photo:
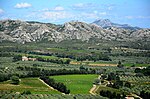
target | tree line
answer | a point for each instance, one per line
(137, 54)
(112, 95)
(37, 72)
(78, 57)
(40, 58)
(56, 85)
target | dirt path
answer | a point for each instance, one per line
(102, 64)
(92, 90)
(90, 64)
(47, 84)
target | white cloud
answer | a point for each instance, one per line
(137, 17)
(103, 13)
(95, 12)
(58, 8)
(89, 15)
(110, 8)
(129, 17)
(79, 5)
(143, 17)
(22, 5)
(1, 11)
(55, 15)
(85, 6)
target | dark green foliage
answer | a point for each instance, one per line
(4, 77)
(58, 61)
(112, 95)
(104, 76)
(145, 71)
(17, 58)
(145, 95)
(67, 61)
(27, 92)
(5, 54)
(127, 84)
(120, 65)
(15, 80)
(117, 84)
(113, 76)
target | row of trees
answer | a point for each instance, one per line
(94, 57)
(112, 95)
(14, 79)
(58, 61)
(137, 54)
(117, 83)
(59, 86)
(78, 57)
(36, 72)
(6, 54)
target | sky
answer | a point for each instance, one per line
(132, 12)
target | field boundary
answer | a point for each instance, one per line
(46, 84)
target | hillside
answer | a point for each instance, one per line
(24, 31)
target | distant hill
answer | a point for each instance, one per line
(107, 23)
(24, 31)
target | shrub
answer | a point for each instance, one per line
(15, 80)
(27, 92)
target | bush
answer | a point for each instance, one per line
(96, 81)
(15, 80)
(27, 92)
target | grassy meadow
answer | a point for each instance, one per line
(78, 84)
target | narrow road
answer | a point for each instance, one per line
(46, 84)
(94, 88)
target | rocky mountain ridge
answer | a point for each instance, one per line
(24, 31)
(107, 23)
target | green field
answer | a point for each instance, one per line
(66, 50)
(78, 84)
(32, 84)
(137, 65)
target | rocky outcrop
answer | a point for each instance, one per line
(22, 32)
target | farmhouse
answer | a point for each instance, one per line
(24, 58)
(32, 59)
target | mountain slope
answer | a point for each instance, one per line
(22, 32)
(107, 23)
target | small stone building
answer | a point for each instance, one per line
(24, 58)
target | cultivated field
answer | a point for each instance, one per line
(28, 84)
(78, 84)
